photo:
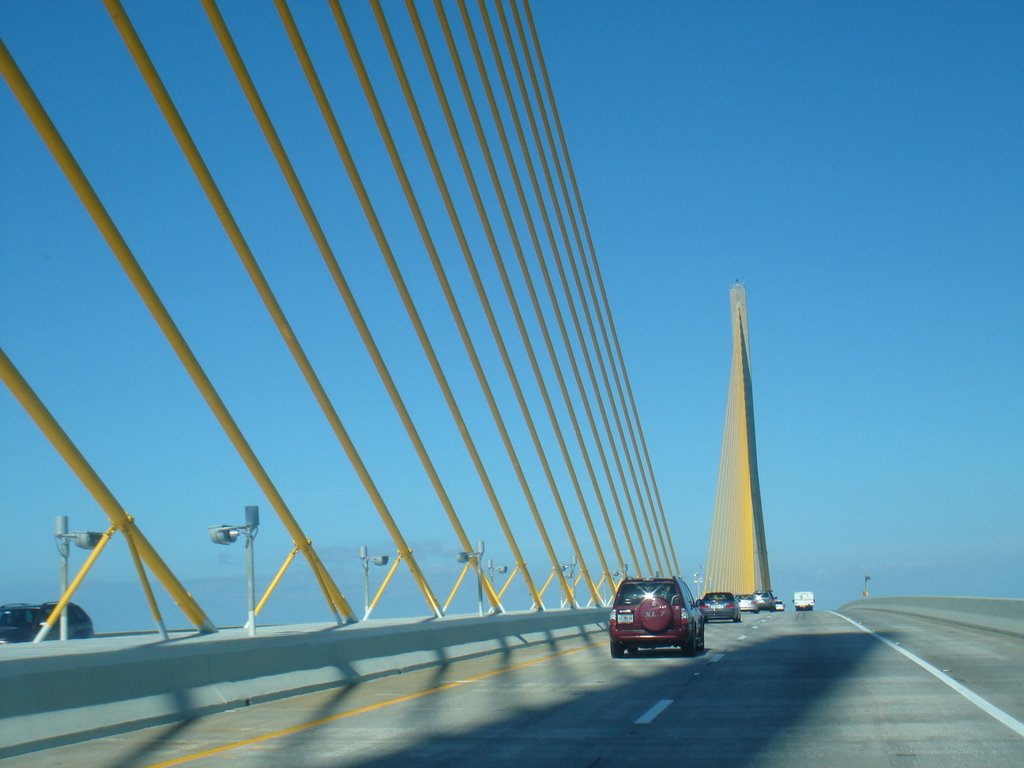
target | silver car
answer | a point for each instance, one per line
(747, 603)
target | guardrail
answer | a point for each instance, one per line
(995, 614)
(60, 693)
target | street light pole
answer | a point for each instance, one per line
(63, 539)
(479, 578)
(63, 547)
(252, 522)
(228, 534)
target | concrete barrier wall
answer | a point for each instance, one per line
(1004, 615)
(53, 694)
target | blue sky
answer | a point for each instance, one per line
(858, 166)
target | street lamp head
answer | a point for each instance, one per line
(86, 539)
(252, 518)
(223, 534)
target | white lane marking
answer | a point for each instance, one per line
(653, 712)
(990, 709)
(742, 637)
(717, 658)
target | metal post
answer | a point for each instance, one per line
(63, 547)
(252, 522)
(479, 578)
(365, 559)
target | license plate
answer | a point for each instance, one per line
(625, 617)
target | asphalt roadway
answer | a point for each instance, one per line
(782, 689)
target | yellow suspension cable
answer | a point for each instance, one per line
(238, 66)
(205, 178)
(482, 141)
(456, 59)
(569, 254)
(513, 302)
(439, 271)
(536, 187)
(38, 412)
(385, 248)
(579, 244)
(597, 271)
(341, 282)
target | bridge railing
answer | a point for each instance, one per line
(991, 613)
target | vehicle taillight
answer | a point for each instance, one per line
(730, 605)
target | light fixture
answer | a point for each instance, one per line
(493, 569)
(82, 540)
(569, 569)
(228, 534)
(474, 557)
(366, 559)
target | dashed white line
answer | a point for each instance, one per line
(742, 637)
(653, 712)
(990, 709)
(717, 658)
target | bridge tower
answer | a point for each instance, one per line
(737, 555)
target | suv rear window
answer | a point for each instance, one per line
(637, 592)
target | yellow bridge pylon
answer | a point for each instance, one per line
(737, 554)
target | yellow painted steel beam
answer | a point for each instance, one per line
(470, 260)
(277, 578)
(58, 609)
(386, 251)
(455, 587)
(383, 585)
(129, 537)
(508, 581)
(87, 476)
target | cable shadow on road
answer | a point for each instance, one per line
(760, 687)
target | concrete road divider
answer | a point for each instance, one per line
(59, 693)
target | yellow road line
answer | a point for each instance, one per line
(361, 710)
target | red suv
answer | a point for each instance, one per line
(653, 613)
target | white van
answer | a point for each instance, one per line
(803, 601)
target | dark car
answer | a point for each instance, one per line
(655, 613)
(20, 622)
(720, 605)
